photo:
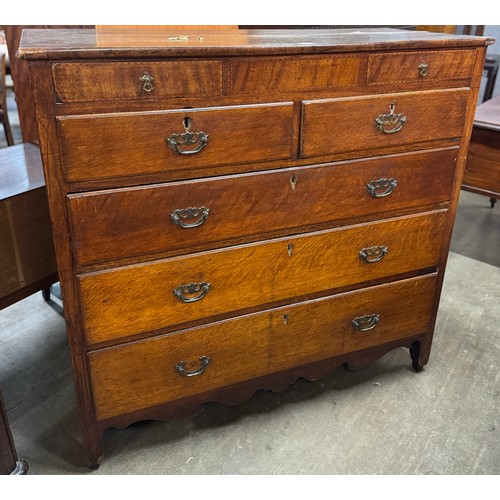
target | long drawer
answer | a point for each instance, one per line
(124, 144)
(150, 372)
(121, 223)
(133, 299)
(333, 126)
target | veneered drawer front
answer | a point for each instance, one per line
(134, 299)
(178, 216)
(422, 66)
(334, 126)
(125, 144)
(142, 374)
(79, 82)
(297, 74)
(483, 161)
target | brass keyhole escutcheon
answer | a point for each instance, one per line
(147, 82)
(293, 182)
(290, 249)
(423, 69)
(285, 319)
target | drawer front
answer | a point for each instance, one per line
(140, 298)
(483, 161)
(142, 374)
(125, 144)
(77, 82)
(334, 126)
(420, 67)
(179, 216)
(303, 74)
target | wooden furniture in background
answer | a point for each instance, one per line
(26, 246)
(482, 172)
(10, 462)
(233, 211)
(4, 115)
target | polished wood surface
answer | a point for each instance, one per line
(75, 82)
(21, 170)
(116, 145)
(482, 173)
(103, 159)
(84, 44)
(27, 256)
(255, 345)
(250, 76)
(121, 223)
(405, 67)
(253, 275)
(431, 115)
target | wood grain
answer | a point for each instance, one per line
(134, 299)
(142, 374)
(75, 82)
(116, 145)
(346, 124)
(121, 223)
(403, 67)
(306, 74)
(83, 44)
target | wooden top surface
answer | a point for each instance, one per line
(20, 170)
(488, 114)
(87, 43)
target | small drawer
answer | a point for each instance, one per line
(293, 74)
(150, 372)
(334, 126)
(126, 144)
(129, 300)
(80, 82)
(421, 67)
(121, 223)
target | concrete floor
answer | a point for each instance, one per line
(384, 419)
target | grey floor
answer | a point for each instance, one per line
(384, 419)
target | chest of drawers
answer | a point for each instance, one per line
(234, 211)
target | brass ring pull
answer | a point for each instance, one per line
(180, 215)
(380, 188)
(365, 323)
(373, 254)
(423, 69)
(178, 142)
(185, 293)
(147, 82)
(180, 367)
(391, 122)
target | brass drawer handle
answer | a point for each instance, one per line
(380, 188)
(365, 323)
(423, 69)
(147, 82)
(373, 254)
(177, 142)
(391, 122)
(180, 215)
(180, 367)
(184, 292)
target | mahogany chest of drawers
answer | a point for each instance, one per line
(233, 211)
